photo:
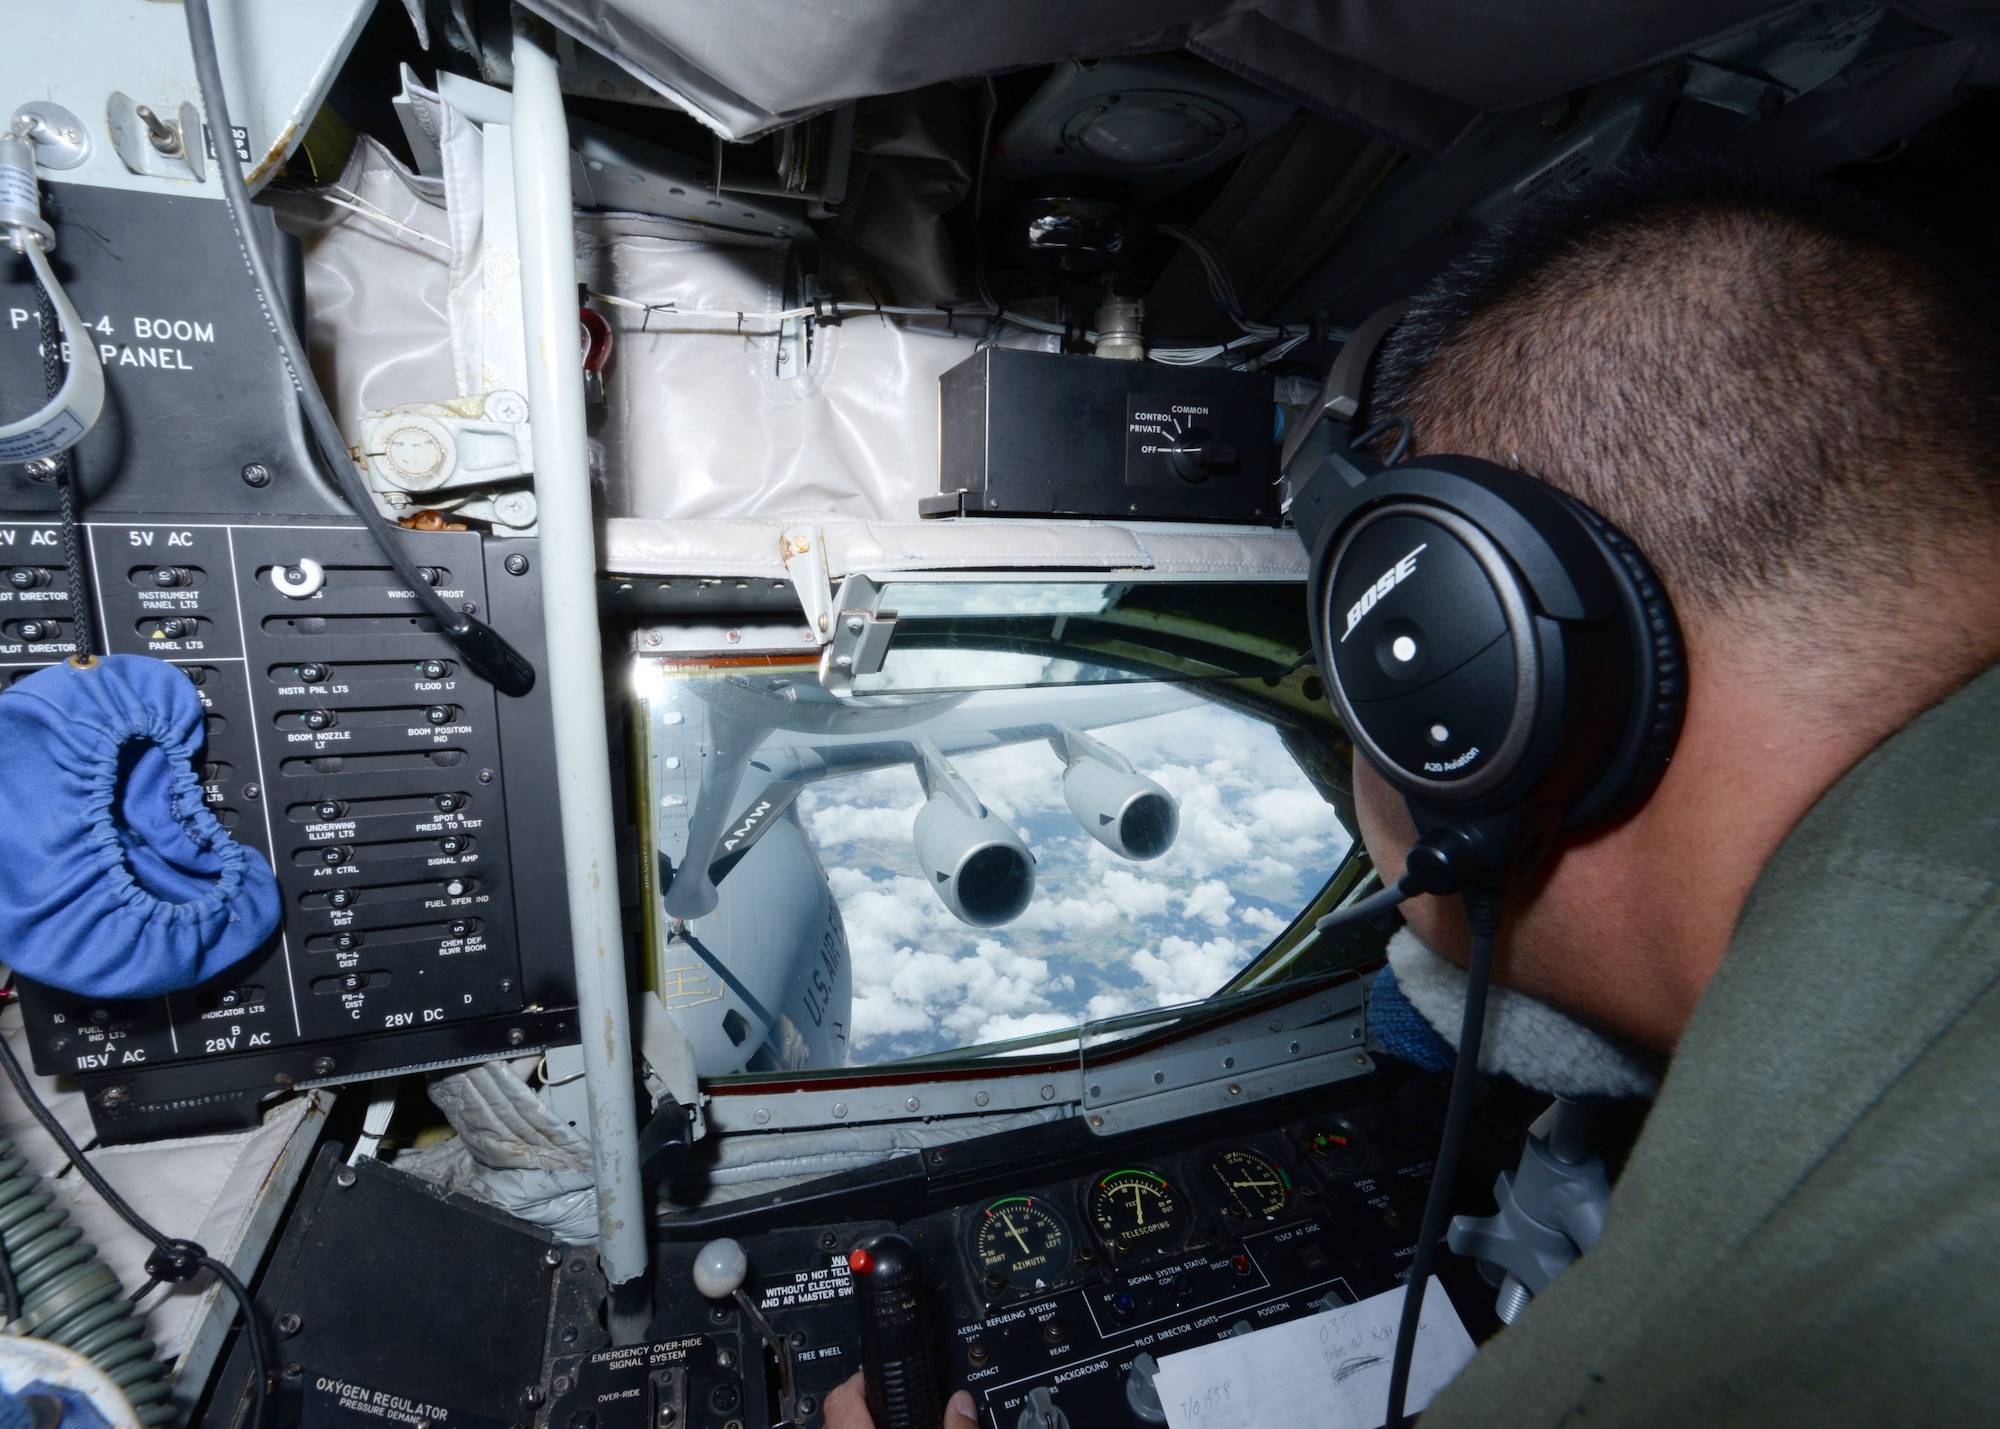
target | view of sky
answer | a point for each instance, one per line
(1103, 935)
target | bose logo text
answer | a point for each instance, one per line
(1387, 582)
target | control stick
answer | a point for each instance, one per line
(898, 1372)
(720, 1268)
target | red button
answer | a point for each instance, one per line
(1242, 1264)
(860, 1261)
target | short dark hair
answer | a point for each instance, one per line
(1777, 389)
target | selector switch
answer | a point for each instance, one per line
(329, 808)
(299, 579)
(436, 669)
(28, 577)
(335, 854)
(312, 673)
(172, 577)
(341, 898)
(317, 719)
(1040, 1412)
(439, 714)
(449, 803)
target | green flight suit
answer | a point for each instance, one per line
(1808, 1231)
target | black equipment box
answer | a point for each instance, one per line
(1041, 434)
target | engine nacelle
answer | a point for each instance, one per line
(1123, 810)
(977, 865)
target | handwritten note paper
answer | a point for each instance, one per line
(1330, 1369)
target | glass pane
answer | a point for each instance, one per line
(842, 882)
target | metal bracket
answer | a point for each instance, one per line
(804, 551)
(60, 140)
(860, 636)
(453, 455)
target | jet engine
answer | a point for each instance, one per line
(976, 863)
(1118, 806)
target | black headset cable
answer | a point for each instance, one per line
(1482, 910)
(485, 650)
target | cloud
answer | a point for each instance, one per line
(1184, 971)
(834, 824)
(1263, 920)
(1210, 901)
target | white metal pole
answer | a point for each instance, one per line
(575, 670)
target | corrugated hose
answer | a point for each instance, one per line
(69, 1296)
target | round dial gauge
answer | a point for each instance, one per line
(1136, 1212)
(1244, 1185)
(1337, 1144)
(1020, 1243)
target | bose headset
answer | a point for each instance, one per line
(1506, 660)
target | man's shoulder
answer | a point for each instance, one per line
(1807, 1205)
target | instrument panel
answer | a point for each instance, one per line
(1055, 1292)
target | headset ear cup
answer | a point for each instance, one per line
(1663, 681)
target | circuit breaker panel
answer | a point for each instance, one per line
(405, 806)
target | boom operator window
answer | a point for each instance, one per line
(1055, 802)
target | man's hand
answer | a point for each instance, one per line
(847, 1408)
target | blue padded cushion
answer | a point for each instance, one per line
(116, 881)
(1402, 1030)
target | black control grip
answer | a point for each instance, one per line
(896, 1363)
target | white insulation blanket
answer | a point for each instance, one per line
(706, 450)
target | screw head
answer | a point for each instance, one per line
(323, 1067)
(43, 468)
(471, 607)
(294, 1370)
(59, 1044)
(486, 776)
(552, 1257)
(289, 1325)
(344, 1177)
(517, 564)
(114, 1096)
(515, 1037)
(256, 474)
(251, 791)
